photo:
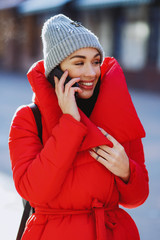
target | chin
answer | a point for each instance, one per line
(85, 95)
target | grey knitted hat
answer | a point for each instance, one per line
(61, 37)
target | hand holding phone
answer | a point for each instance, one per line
(66, 96)
(58, 73)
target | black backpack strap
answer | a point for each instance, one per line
(37, 116)
(27, 207)
(25, 216)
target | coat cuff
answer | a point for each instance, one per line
(77, 124)
(135, 192)
(121, 184)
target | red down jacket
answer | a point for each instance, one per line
(74, 196)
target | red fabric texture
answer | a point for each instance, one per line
(75, 197)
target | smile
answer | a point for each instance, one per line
(86, 83)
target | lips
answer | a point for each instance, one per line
(86, 85)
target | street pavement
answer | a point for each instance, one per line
(14, 91)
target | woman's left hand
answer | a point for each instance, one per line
(113, 158)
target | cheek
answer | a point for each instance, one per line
(63, 67)
(74, 73)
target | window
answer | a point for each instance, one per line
(134, 45)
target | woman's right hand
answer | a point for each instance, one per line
(66, 95)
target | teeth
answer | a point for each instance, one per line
(87, 83)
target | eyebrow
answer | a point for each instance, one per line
(83, 57)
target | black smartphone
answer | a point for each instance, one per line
(58, 73)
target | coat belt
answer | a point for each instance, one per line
(98, 210)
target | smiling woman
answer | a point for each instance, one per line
(91, 159)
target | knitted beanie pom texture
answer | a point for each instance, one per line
(61, 37)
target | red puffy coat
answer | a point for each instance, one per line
(74, 196)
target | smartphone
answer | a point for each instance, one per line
(58, 73)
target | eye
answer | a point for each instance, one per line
(97, 62)
(79, 63)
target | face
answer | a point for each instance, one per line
(85, 64)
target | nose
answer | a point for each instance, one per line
(90, 71)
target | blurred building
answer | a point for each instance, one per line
(129, 30)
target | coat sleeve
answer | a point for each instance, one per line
(40, 171)
(135, 192)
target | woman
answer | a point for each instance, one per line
(91, 159)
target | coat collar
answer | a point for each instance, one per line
(113, 111)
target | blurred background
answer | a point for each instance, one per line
(128, 30)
